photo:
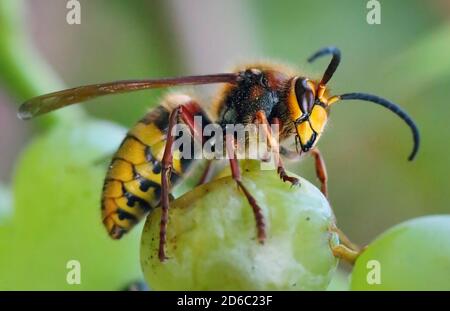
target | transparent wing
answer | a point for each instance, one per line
(52, 101)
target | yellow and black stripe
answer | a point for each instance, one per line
(132, 186)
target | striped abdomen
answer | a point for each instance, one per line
(132, 186)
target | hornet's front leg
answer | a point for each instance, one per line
(347, 250)
(321, 171)
(273, 142)
(186, 114)
(345, 253)
(166, 170)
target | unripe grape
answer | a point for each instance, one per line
(212, 244)
(414, 255)
(57, 216)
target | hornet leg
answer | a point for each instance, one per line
(166, 169)
(343, 252)
(347, 250)
(261, 118)
(321, 171)
(206, 175)
(236, 174)
(186, 114)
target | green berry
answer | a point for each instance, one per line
(414, 255)
(212, 244)
(57, 190)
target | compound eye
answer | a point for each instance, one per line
(304, 94)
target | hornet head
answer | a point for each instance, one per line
(308, 103)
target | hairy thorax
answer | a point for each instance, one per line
(261, 88)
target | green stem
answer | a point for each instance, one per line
(22, 71)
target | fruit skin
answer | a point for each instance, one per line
(57, 188)
(414, 255)
(212, 246)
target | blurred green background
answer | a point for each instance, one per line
(405, 59)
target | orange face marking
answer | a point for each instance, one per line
(318, 118)
(305, 132)
(292, 102)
